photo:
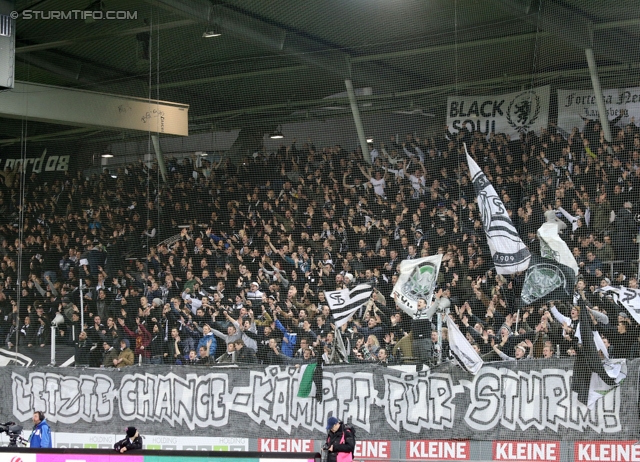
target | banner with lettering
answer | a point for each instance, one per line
(576, 105)
(46, 163)
(512, 113)
(504, 401)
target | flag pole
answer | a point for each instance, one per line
(517, 320)
(439, 317)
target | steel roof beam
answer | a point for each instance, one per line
(574, 28)
(46, 103)
(91, 38)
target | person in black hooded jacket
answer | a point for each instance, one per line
(339, 439)
(131, 442)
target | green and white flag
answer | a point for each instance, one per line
(417, 279)
(311, 381)
(545, 280)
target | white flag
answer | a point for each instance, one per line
(628, 298)
(417, 279)
(461, 349)
(552, 246)
(616, 369)
(508, 252)
(345, 302)
(592, 377)
(8, 357)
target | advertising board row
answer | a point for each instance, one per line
(366, 450)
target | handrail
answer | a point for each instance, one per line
(615, 262)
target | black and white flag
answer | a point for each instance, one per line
(552, 246)
(592, 377)
(461, 349)
(8, 357)
(508, 252)
(345, 302)
(625, 297)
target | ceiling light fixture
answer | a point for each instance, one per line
(107, 155)
(277, 135)
(211, 32)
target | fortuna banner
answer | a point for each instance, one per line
(576, 105)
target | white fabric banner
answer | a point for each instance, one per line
(511, 113)
(574, 105)
(616, 369)
(461, 349)
(417, 279)
(508, 252)
(552, 246)
(628, 298)
(11, 357)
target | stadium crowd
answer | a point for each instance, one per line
(228, 263)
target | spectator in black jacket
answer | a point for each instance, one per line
(83, 350)
(625, 231)
(158, 347)
(42, 336)
(339, 440)
(131, 442)
(27, 332)
(244, 354)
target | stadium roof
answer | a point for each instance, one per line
(276, 61)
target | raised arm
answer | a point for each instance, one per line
(366, 173)
(502, 355)
(38, 287)
(344, 181)
(219, 334)
(559, 316)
